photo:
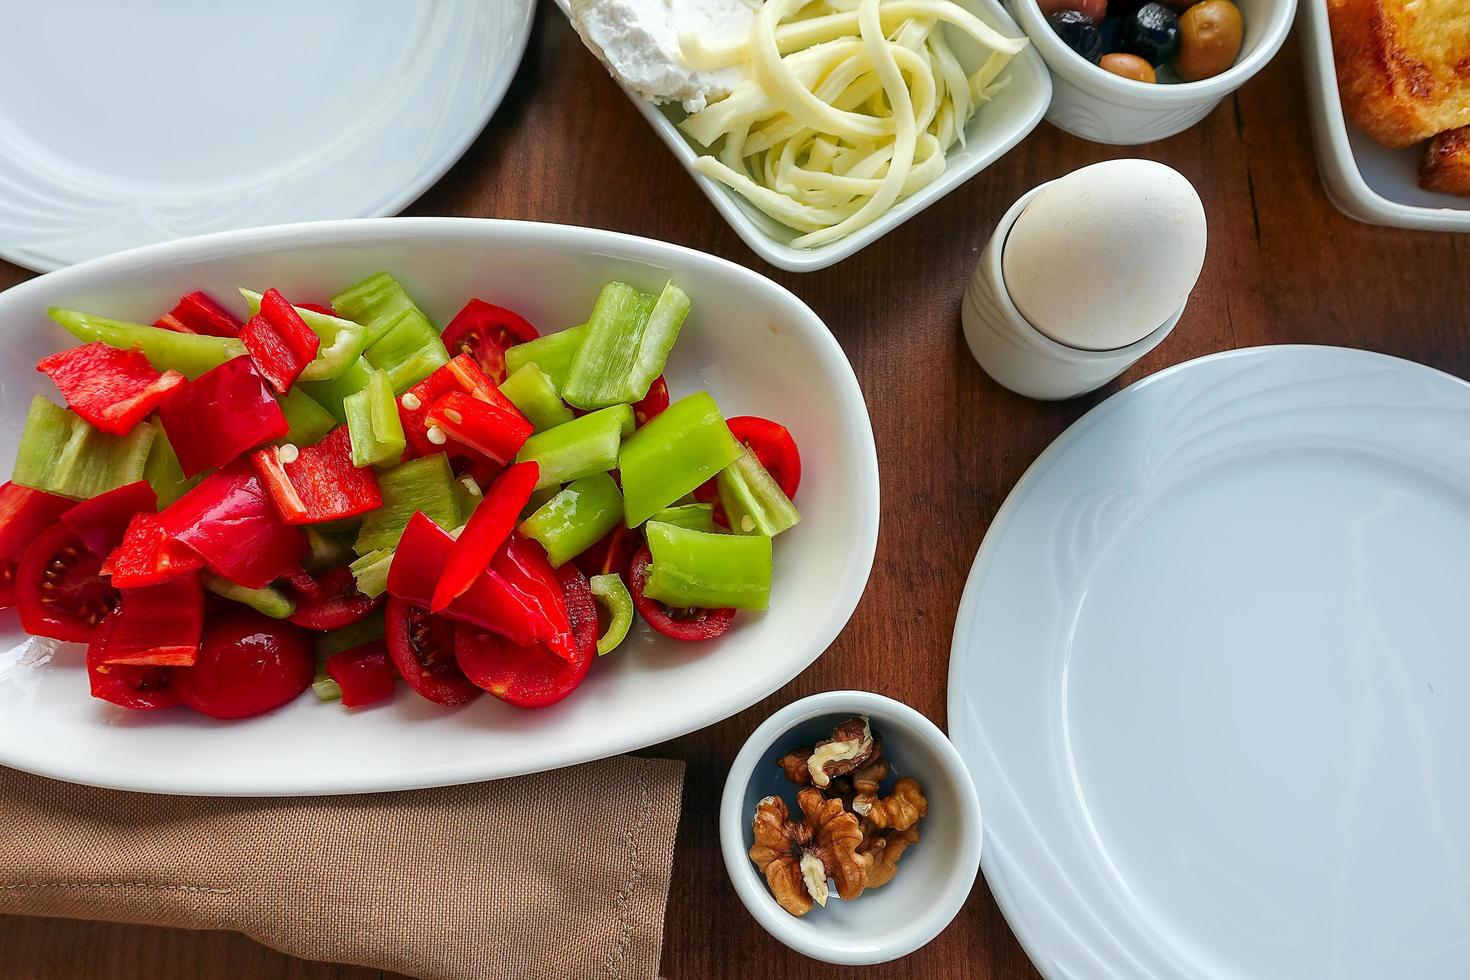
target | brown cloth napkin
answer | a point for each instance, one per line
(561, 874)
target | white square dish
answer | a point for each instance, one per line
(998, 127)
(1366, 181)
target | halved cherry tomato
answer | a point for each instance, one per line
(422, 647)
(533, 676)
(335, 604)
(140, 688)
(652, 403)
(59, 588)
(689, 625)
(484, 330)
(24, 514)
(773, 446)
(248, 664)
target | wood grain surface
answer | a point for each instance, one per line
(1283, 267)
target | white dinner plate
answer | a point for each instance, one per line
(1212, 678)
(757, 348)
(124, 124)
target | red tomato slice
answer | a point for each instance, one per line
(24, 514)
(59, 588)
(773, 446)
(533, 676)
(690, 625)
(484, 331)
(652, 403)
(422, 647)
(140, 688)
(248, 664)
(335, 603)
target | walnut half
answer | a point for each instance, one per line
(798, 856)
(850, 746)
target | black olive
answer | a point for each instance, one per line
(1152, 33)
(1078, 32)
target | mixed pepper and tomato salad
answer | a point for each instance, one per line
(338, 495)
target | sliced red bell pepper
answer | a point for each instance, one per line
(24, 514)
(491, 602)
(229, 521)
(365, 674)
(219, 415)
(102, 521)
(491, 430)
(489, 526)
(523, 566)
(197, 313)
(157, 626)
(111, 388)
(148, 556)
(319, 483)
(279, 341)
(653, 403)
(461, 374)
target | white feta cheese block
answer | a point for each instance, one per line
(639, 42)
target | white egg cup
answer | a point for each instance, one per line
(1019, 356)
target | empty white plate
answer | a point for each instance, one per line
(1211, 676)
(124, 124)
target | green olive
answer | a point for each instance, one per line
(1209, 39)
(1128, 66)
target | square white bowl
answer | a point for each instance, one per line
(1366, 181)
(996, 128)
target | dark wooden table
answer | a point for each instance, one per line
(1283, 267)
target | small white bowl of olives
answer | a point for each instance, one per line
(1135, 71)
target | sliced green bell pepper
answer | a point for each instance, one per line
(332, 393)
(379, 303)
(708, 571)
(163, 472)
(189, 354)
(531, 390)
(676, 451)
(576, 518)
(371, 572)
(612, 595)
(268, 601)
(342, 341)
(425, 484)
(467, 494)
(61, 453)
(754, 502)
(629, 336)
(553, 354)
(696, 517)
(580, 447)
(400, 338)
(373, 424)
(307, 422)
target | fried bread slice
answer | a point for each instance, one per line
(1403, 66)
(1446, 166)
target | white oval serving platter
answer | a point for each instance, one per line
(754, 345)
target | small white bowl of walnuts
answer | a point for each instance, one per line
(850, 828)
